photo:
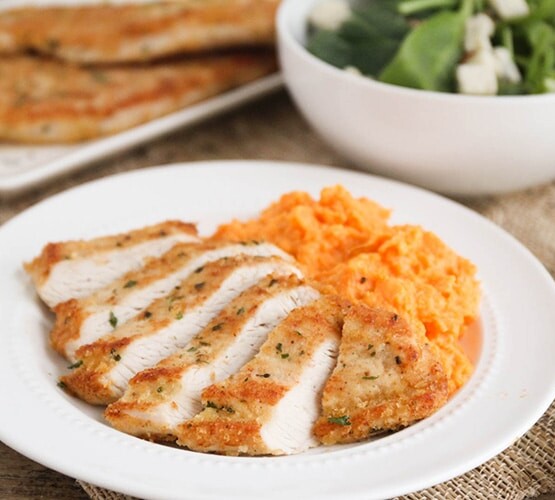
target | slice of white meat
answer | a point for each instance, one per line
(160, 398)
(289, 429)
(271, 404)
(82, 322)
(75, 269)
(106, 366)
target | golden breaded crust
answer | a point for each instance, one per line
(386, 378)
(141, 32)
(85, 379)
(40, 267)
(44, 101)
(147, 389)
(69, 318)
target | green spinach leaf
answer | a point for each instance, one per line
(429, 54)
(540, 65)
(368, 40)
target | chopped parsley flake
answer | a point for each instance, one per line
(192, 349)
(240, 311)
(200, 286)
(279, 347)
(113, 320)
(62, 385)
(130, 284)
(217, 327)
(272, 282)
(115, 355)
(179, 315)
(298, 333)
(263, 375)
(199, 270)
(204, 343)
(211, 404)
(370, 346)
(374, 377)
(343, 420)
(147, 314)
(75, 365)
(160, 389)
(284, 356)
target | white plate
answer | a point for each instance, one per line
(25, 166)
(513, 384)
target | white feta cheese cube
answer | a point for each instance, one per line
(330, 14)
(505, 67)
(510, 9)
(549, 84)
(476, 79)
(478, 31)
(484, 57)
(352, 70)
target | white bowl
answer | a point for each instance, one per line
(465, 145)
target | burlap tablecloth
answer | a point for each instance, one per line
(272, 129)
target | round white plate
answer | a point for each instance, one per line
(512, 386)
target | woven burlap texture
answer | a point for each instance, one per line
(272, 129)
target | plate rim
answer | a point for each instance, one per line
(538, 267)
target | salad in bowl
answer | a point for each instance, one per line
(476, 47)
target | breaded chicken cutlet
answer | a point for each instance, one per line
(108, 364)
(74, 269)
(223, 347)
(46, 101)
(157, 400)
(137, 32)
(82, 321)
(386, 378)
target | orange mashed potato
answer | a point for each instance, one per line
(347, 246)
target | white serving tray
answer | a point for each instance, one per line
(23, 166)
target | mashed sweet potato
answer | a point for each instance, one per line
(347, 246)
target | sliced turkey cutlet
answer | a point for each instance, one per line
(124, 33)
(75, 269)
(105, 367)
(386, 378)
(160, 398)
(83, 321)
(271, 404)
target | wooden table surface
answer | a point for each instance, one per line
(268, 129)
